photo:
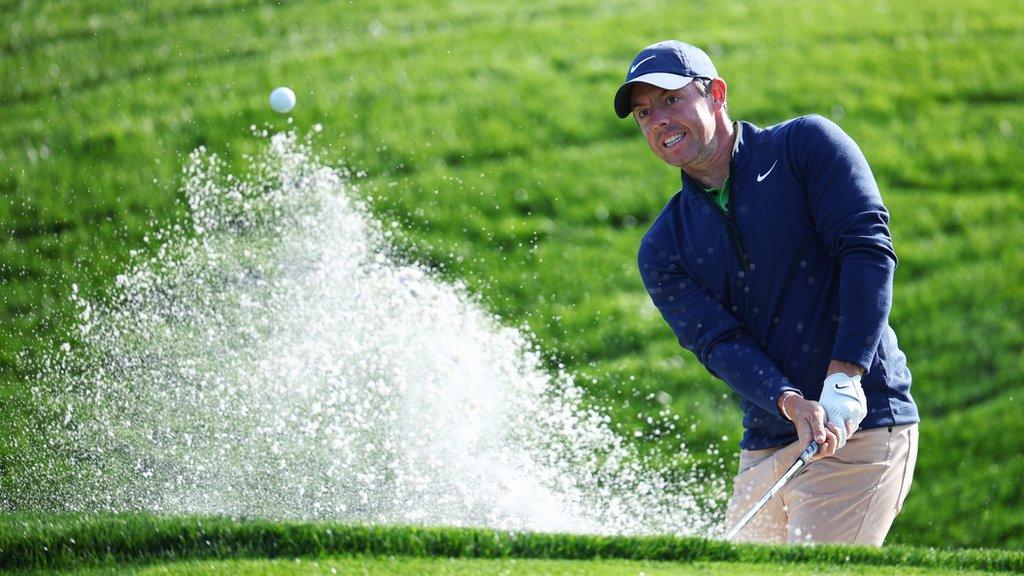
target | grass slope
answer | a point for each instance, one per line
(487, 131)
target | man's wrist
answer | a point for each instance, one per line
(848, 368)
(783, 398)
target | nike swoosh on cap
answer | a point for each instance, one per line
(637, 65)
(765, 175)
(844, 384)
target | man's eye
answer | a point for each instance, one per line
(642, 113)
(672, 99)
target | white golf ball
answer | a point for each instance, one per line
(282, 99)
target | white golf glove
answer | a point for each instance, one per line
(843, 399)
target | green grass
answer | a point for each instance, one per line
(486, 130)
(73, 542)
(397, 566)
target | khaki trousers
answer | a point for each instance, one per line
(849, 498)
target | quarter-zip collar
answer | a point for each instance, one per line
(748, 137)
(740, 152)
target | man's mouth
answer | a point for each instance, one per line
(670, 142)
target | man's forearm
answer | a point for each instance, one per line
(865, 296)
(748, 370)
(714, 335)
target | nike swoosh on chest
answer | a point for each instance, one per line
(761, 177)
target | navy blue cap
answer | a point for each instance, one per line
(669, 65)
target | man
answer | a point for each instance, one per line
(773, 264)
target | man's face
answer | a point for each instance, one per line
(679, 125)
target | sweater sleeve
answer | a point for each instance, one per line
(702, 326)
(854, 225)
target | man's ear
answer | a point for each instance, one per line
(719, 90)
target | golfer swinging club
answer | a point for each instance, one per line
(773, 264)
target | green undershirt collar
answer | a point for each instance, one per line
(720, 196)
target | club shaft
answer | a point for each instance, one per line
(794, 469)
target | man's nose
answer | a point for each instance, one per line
(659, 117)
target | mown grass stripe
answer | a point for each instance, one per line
(62, 541)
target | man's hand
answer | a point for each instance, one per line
(844, 403)
(811, 423)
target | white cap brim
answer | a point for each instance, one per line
(662, 80)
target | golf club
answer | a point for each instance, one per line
(798, 465)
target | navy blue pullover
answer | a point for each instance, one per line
(796, 273)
